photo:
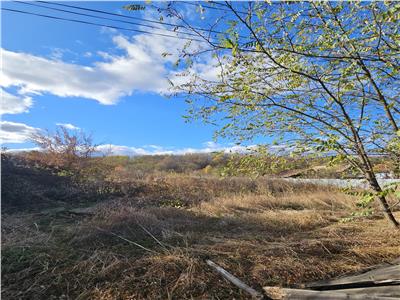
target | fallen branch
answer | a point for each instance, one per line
(236, 281)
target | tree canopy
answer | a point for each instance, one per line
(318, 76)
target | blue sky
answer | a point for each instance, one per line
(107, 82)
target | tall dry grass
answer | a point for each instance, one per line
(152, 243)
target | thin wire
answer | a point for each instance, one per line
(97, 24)
(104, 18)
(129, 17)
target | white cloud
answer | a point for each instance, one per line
(36, 74)
(68, 126)
(16, 150)
(15, 133)
(11, 104)
(110, 149)
(60, 53)
(208, 147)
(140, 68)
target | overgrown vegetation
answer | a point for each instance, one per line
(125, 235)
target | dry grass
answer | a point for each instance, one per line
(264, 232)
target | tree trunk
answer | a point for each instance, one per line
(373, 182)
(388, 212)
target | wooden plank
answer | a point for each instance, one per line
(353, 285)
(381, 291)
(299, 294)
(391, 272)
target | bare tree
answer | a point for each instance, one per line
(69, 149)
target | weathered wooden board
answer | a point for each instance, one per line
(381, 282)
(381, 291)
(299, 294)
(391, 272)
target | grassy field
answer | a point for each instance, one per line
(152, 240)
